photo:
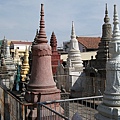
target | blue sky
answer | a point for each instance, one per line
(19, 19)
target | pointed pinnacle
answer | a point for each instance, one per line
(53, 41)
(115, 19)
(106, 19)
(42, 35)
(73, 31)
(116, 31)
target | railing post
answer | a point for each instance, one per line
(23, 112)
(39, 111)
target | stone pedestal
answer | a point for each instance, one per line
(108, 113)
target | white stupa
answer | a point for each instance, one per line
(74, 62)
(74, 57)
(109, 109)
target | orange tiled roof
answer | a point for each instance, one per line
(21, 42)
(89, 42)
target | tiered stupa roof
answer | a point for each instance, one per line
(103, 49)
(110, 107)
(41, 87)
(55, 58)
(74, 56)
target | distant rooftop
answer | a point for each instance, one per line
(21, 42)
(89, 42)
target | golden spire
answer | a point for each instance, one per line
(16, 57)
(25, 65)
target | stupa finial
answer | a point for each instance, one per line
(42, 35)
(73, 31)
(116, 31)
(106, 19)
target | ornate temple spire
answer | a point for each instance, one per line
(74, 62)
(116, 31)
(106, 32)
(55, 58)
(41, 87)
(112, 91)
(116, 35)
(42, 35)
(113, 64)
(53, 42)
(25, 65)
(26, 56)
(74, 52)
(103, 49)
(16, 57)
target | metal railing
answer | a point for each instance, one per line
(11, 108)
(66, 109)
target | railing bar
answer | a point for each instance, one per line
(54, 111)
(84, 98)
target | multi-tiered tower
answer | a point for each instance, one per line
(10, 69)
(55, 58)
(109, 109)
(41, 86)
(25, 66)
(96, 69)
(103, 49)
(74, 62)
(16, 57)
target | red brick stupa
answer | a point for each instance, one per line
(41, 86)
(55, 55)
